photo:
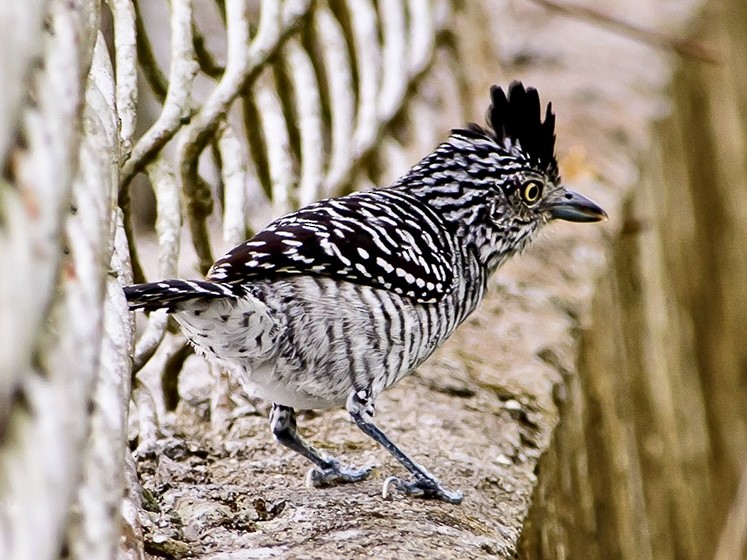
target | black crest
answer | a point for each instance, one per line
(517, 117)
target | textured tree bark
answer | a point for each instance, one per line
(64, 365)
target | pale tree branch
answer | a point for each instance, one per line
(34, 209)
(94, 531)
(277, 144)
(307, 108)
(168, 232)
(393, 64)
(234, 176)
(20, 44)
(68, 169)
(244, 58)
(339, 78)
(178, 105)
(368, 62)
(126, 63)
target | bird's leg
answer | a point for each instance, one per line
(328, 470)
(424, 485)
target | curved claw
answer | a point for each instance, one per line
(421, 488)
(320, 478)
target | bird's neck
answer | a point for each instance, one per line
(459, 195)
(445, 181)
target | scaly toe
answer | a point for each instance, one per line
(421, 488)
(321, 478)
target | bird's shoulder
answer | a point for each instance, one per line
(383, 238)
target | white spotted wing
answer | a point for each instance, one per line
(383, 238)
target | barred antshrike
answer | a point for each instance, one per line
(332, 304)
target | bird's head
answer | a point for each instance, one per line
(498, 185)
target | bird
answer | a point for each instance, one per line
(332, 304)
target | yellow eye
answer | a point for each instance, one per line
(531, 191)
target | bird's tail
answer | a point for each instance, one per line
(167, 293)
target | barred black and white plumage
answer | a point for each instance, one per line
(330, 305)
(166, 294)
(386, 238)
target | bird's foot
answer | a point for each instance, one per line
(421, 487)
(333, 474)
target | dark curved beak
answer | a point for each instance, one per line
(568, 205)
